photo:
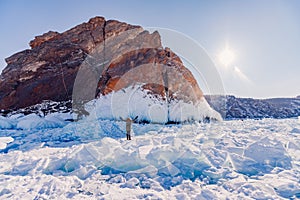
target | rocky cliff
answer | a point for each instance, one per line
(110, 56)
(47, 71)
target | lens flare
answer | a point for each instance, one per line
(226, 57)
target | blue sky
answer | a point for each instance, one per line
(263, 35)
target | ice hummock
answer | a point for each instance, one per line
(34, 121)
(4, 141)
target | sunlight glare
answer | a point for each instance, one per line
(226, 57)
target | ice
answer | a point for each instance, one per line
(60, 116)
(206, 194)
(250, 159)
(58, 120)
(266, 155)
(295, 130)
(33, 121)
(4, 141)
(285, 183)
(131, 183)
(16, 116)
(6, 123)
(181, 112)
(133, 101)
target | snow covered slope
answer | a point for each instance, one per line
(250, 159)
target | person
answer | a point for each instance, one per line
(128, 126)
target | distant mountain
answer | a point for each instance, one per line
(232, 107)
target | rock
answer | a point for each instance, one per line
(160, 69)
(111, 55)
(43, 38)
(47, 71)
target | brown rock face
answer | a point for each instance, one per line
(43, 38)
(158, 70)
(116, 54)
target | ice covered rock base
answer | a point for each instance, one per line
(135, 101)
(251, 159)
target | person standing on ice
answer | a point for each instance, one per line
(128, 126)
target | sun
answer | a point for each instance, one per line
(226, 57)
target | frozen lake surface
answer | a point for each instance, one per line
(250, 159)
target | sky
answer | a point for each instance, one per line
(255, 44)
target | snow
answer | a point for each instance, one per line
(88, 159)
(134, 101)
